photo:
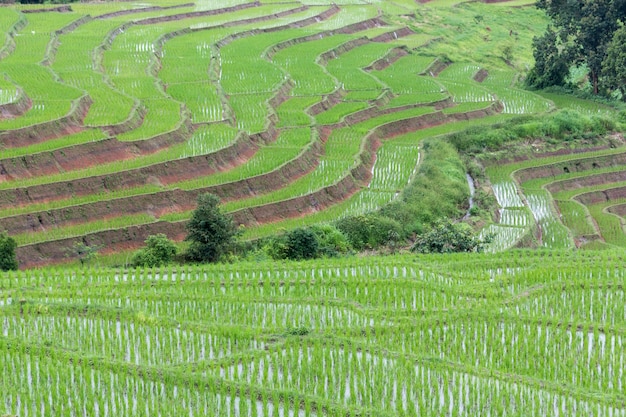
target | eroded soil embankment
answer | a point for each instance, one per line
(576, 165)
(30, 135)
(17, 108)
(590, 180)
(85, 155)
(160, 203)
(594, 197)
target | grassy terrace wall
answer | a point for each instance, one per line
(284, 110)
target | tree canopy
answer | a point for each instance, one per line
(8, 260)
(211, 233)
(583, 31)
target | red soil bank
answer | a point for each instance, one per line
(587, 181)
(595, 197)
(392, 56)
(72, 123)
(577, 165)
(17, 108)
(481, 75)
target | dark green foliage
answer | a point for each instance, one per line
(159, 251)
(211, 233)
(614, 65)
(8, 260)
(584, 30)
(301, 243)
(551, 67)
(331, 241)
(448, 237)
(369, 231)
(297, 331)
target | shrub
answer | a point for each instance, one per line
(159, 251)
(211, 233)
(8, 260)
(448, 237)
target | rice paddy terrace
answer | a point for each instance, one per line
(529, 333)
(115, 116)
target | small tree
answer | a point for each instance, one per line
(159, 251)
(85, 253)
(614, 65)
(211, 233)
(8, 260)
(448, 237)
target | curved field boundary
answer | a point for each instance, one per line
(589, 180)
(9, 46)
(392, 56)
(54, 41)
(580, 164)
(71, 123)
(59, 9)
(142, 10)
(601, 196)
(21, 105)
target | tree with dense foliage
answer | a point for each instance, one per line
(550, 65)
(614, 65)
(211, 234)
(8, 260)
(448, 237)
(585, 29)
(159, 251)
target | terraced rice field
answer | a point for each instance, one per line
(526, 333)
(115, 116)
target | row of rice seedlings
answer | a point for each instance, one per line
(207, 139)
(127, 339)
(515, 101)
(584, 358)
(402, 82)
(43, 385)
(122, 165)
(336, 113)
(300, 62)
(610, 225)
(289, 144)
(57, 233)
(576, 218)
(398, 384)
(348, 67)
(51, 99)
(74, 63)
(244, 68)
(577, 302)
(273, 298)
(8, 92)
(503, 236)
(86, 136)
(251, 111)
(588, 107)
(553, 233)
(293, 113)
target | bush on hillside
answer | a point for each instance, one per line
(159, 251)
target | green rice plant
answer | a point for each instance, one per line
(251, 111)
(74, 62)
(336, 113)
(347, 68)
(292, 112)
(85, 136)
(82, 229)
(300, 63)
